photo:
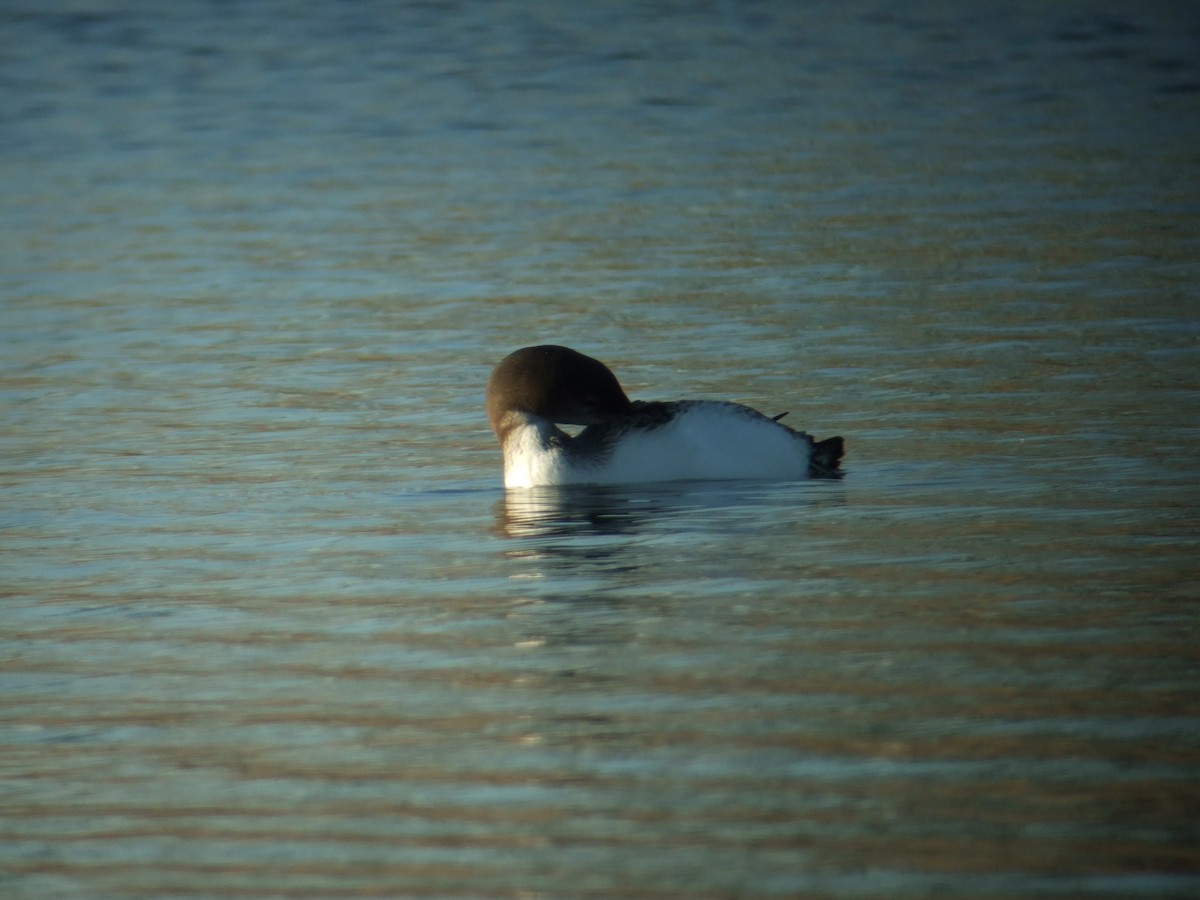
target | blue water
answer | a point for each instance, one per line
(272, 626)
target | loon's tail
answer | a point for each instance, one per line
(824, 459)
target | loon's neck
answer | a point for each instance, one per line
(535, 449)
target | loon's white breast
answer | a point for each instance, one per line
(534, 390)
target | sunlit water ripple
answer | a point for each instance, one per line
(271, 625)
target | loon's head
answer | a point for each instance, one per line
(555, 383)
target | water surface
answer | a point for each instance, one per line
(271, 625)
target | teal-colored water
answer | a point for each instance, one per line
(270, 625)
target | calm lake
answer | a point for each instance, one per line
(270, 625)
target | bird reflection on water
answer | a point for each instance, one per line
(577, 510)
(647, 539)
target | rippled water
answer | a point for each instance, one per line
(272, 627)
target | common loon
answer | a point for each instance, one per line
(534, 390)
